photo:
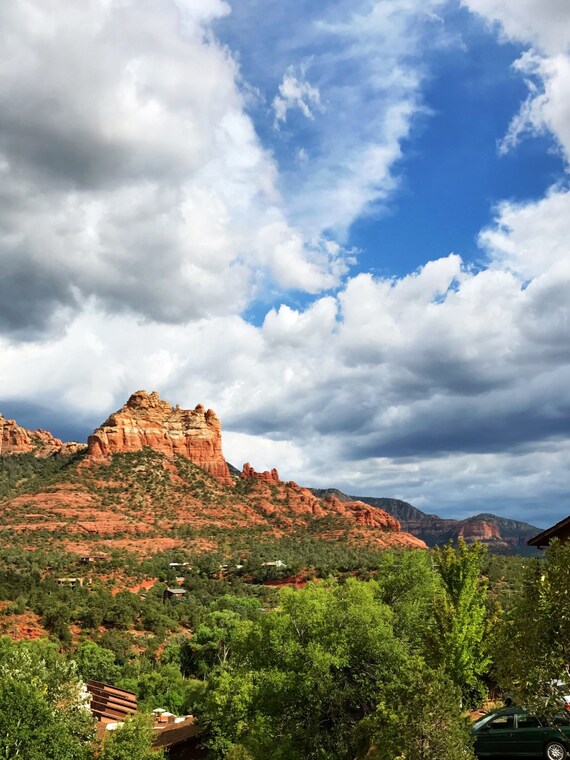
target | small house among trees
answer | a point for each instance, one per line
(174, 594)
(561, 531)
(71, 582)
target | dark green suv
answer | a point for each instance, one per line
(513, 732)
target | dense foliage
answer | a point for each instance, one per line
(377, 656)
(326, 676)
(31, 470)
(332, 670)
(533, 642)
(461, 618)
(43, 709)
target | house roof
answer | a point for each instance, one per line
(175, 733)
(108, 703)
(544, 538)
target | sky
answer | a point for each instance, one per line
(343, 225)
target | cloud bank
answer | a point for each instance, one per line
(143, 214)
(131, 172)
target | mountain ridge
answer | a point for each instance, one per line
(147, 422)
(500, 534)
(153, 476)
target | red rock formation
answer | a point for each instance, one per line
(364, 514)
(295, 504)
(15, 439)
(248, 473)
(105, 510)
(72, 447)
(301, 501)
(145, 420)
(480, 530)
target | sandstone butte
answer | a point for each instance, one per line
(146, 420)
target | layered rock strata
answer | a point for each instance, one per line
(15, 439)
(146, 420)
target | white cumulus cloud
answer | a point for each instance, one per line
(130, 170)
(543, 26)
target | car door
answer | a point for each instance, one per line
(528, 736)
(496, 738)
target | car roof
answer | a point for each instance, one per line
(512, 710)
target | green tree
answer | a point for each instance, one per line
(533, 640)
(97, 663)
(419, 719)
(56, 619)
(461, 617)
(409, 584)
(163, 685)
(212, 642)
(44, 713)
(132, 741)
(302, 678)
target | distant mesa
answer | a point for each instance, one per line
(146, 420)
(499, 534)
(480, 529)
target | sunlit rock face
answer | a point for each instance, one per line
(268, 476)
(15, 439)
(479, 530)
(146, 420)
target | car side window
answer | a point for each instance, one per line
(502, 721)
(527, 721)
(561, 720)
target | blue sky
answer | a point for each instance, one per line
(345, 226)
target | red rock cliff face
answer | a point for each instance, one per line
(365, 514)
(146, 420)
(480, 530)
(15, 439)
(294, 503)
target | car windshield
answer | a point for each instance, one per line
(482, 721)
